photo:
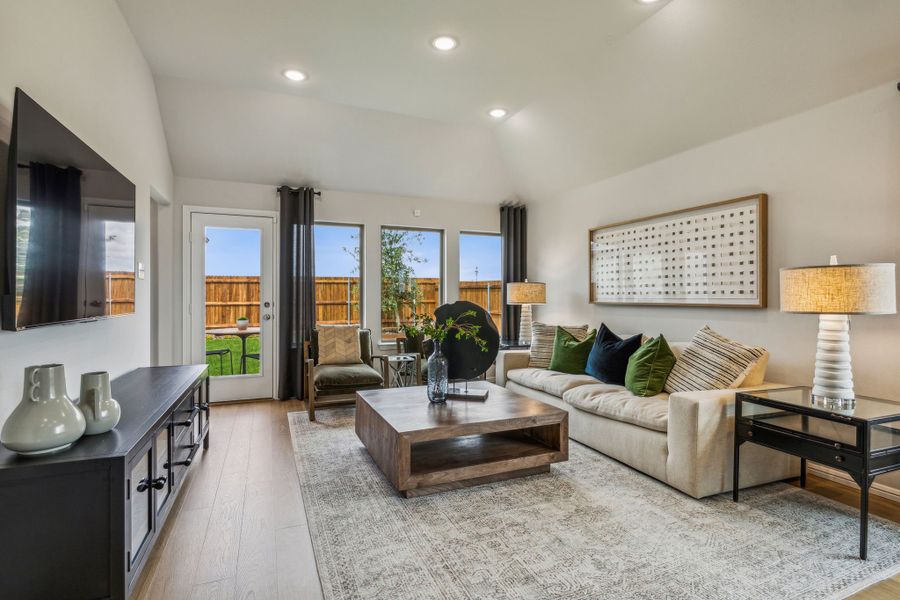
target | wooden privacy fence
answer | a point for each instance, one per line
(120, 294)
(337, 300)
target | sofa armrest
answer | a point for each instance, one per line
(508, 360)
(701, 442)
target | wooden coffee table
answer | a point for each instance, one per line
(424, 448)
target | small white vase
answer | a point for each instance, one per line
(46, 420)
(101, 412)
(242, 324)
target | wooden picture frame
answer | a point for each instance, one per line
(713, 255)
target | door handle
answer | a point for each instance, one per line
(267, 304)
(267, 317)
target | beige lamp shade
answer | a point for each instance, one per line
(526, 292)
(868, 289)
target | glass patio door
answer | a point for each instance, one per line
(232, 307)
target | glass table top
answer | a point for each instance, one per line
(864, 408)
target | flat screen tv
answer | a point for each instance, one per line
(67, 226)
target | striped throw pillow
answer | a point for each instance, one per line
(542, 337)
(712, 362)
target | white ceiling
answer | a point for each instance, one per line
(240, 134)
(595, 87)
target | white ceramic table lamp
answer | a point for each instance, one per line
(524, 294)
(834, 292)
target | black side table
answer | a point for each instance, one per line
(863, 439)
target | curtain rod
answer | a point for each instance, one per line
(315, 192)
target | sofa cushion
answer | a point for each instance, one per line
(542, 337)
(346, 376)
(608, 359)
(712, 362)
(551, 382)
(649, 367)
(615, 402)
(569, 353)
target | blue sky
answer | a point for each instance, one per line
(236, 252)
(232, 251)
(481, 251)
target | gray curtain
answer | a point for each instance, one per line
(297, 288)
(514, 245)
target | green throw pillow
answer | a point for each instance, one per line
(569, 353)
(649, 367)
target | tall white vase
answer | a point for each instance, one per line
(45, 420)
(833, 379)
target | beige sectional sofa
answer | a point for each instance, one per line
(684, 439)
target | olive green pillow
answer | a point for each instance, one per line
(649, 367)
(570, 354)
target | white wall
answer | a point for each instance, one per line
(80, 61)
(833, 179)
(370, 210)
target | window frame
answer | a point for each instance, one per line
(442, 269)
(362, 261)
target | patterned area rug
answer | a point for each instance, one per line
(592, 528)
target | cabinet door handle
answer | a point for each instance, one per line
(145, 484)
(186, 462)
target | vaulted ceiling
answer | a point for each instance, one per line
(594, 87)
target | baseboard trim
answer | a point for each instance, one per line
(843, 478)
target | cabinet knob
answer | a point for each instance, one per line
(839, 458)
(749, 434)
(837, 446)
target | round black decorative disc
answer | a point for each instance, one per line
(465, 360)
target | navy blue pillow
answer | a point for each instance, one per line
(608, 359)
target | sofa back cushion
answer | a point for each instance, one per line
(569, 353)
(608, 360)
(542, 337)
(712, 362)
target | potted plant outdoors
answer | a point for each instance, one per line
(437, 362)
(414, 337)
(242, 323)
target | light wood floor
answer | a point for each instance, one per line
(238, 529)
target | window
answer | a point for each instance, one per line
(338, 273)
(411, 276)
(479, 272)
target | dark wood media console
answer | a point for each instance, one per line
(80, 524)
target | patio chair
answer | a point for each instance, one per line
(253, 355)
(221, 352)
(328, 385)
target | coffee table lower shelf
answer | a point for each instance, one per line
(458, 457)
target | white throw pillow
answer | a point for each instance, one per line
(712, 362)
(339, 345)
(542, 337)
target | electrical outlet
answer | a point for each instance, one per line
(417, 213)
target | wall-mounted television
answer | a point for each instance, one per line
(67, 225)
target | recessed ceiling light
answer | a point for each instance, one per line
(444, 43)
(497, 113)
(294, 74)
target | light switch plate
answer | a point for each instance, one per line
(417, 213)
(140, 270)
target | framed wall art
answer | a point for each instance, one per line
(712, 255)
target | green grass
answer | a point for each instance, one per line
(233, 344)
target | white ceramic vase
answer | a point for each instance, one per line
(46, 420)
(101, 412)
